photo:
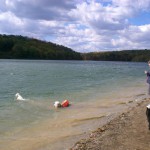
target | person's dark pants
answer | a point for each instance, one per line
(148, 117)
(148, 89)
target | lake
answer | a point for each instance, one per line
(94, 88)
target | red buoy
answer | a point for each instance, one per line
(65, 103)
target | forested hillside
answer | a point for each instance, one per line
(19, 47)
(125, 55)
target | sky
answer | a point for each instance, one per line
(83, 25)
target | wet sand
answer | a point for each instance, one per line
(127, 131)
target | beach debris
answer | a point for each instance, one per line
(131, 101)
(19, 97)
(65, 103)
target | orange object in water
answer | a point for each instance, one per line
(65, 103)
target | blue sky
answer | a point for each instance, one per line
(142, 18)
(83, 25)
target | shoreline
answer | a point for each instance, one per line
(127, 130)
(41, 139)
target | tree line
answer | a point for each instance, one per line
(19, 47)
(124, 55)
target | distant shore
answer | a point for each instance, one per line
(129, 131)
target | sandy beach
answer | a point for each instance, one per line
(127, 131)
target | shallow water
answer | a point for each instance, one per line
(94, 89)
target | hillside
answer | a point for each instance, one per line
(124, 55)
(19, 47)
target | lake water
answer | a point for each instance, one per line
(94, 89)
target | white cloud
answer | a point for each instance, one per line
(87, 25)
(10, 23)
(39, 9)
(95, 15)
(133, 37)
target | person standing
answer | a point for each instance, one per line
(148, 78)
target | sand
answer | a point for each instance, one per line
(128, 131)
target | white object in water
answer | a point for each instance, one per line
(57, 104)
(148, 106)
(19, 97)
